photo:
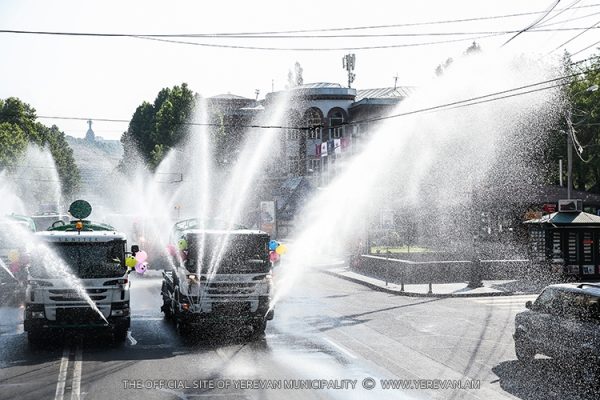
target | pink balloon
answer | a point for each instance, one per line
(141, 256)
(171, 250)
(140, 268)
(274, 257)
(15, 266)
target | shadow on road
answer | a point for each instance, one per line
(545, 379)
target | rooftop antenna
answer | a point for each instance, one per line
(348, 62)
(256, 92)
(396, 81)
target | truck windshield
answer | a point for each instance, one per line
(85, 260)
(243, 254)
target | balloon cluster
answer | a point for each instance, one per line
(14, 259)
(138, 262)
(276, 250)
(181, 249)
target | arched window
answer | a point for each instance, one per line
(336, 123)
(313, 120)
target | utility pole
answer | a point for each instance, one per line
(570, 135)
(569, 160)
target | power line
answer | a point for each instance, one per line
(533, 24)
(319, 48)
(259, 126)
(478, 99)
(303, 36)
(470, 101)
(576, 36)
(567, 8)
(585, 48)
(436, 22)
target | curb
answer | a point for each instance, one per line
(414, 294)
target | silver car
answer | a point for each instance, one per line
(563, 322)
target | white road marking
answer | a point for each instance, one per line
(131, 339)
(222, 354)
(145, 318)
(62, 374)
(76, 382)
(340, 348)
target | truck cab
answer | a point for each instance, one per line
(77, 279)
(218, 277)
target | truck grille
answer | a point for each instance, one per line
(230, 288)
(73, 295)
(79, 315)
(232, 308)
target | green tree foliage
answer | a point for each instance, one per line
(155, 128)
(18, 127)
(581, 116)
(12, 143)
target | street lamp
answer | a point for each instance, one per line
(570, 134)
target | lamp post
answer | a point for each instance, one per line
(570, 134)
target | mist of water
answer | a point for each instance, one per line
(435, 162)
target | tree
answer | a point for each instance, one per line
(155, 128)
(18, 127)
(581, 116)
(295, 78)
(13, 143)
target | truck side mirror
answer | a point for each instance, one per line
(529, 304)
(134, 249)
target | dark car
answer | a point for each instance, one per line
(563, 322)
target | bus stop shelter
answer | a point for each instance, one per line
(569, 242)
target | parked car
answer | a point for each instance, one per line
(563, 322)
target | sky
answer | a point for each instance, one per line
(108, 77)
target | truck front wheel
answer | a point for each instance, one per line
(119, 335)
(36, 338)
(258, 329)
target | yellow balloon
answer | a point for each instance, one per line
(130, 261)
(13, 255)
(182, 244)
(281, 249)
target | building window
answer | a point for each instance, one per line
(315, 133)
(293, 134)
(314, 165)
(312, 119)
(336, 122)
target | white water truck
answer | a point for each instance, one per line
(220, 277)
(77, 279)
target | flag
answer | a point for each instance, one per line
(346, 143)
(330, 147)
(337, 144)
(324, 149)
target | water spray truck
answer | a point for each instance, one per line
(218, 277)
(77, 278)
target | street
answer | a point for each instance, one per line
(326, 329)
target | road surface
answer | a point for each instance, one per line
(331, 338)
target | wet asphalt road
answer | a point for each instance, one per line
(326, 329)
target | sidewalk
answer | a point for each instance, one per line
(459, 289)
